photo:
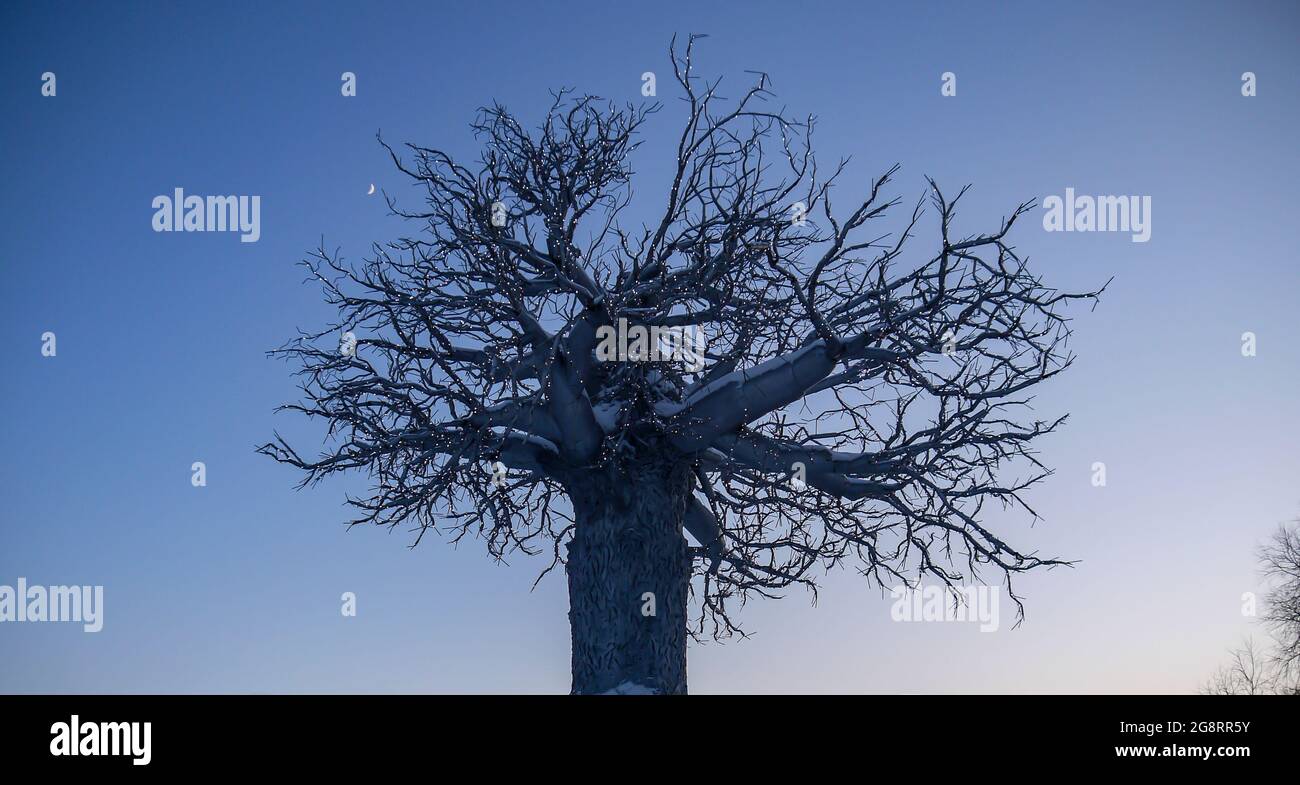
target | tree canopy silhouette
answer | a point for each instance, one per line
(844, 406)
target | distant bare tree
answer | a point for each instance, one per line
(1280, 559)
(846, 408)
(1250, 671)
(1253, 670)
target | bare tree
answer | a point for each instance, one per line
(846, 408)
(1280, 565)
(1252, 670)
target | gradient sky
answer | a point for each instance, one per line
(161, 337)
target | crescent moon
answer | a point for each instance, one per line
(372, 189)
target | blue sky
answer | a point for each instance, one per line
(234, 587)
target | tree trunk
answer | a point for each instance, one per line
(629, 572)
